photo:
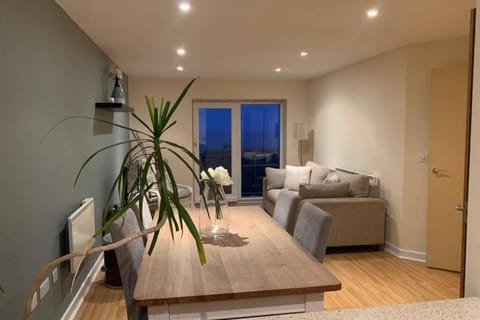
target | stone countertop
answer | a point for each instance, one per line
(464, 309)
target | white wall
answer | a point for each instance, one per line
(373, 117)
(472, 274)
(294, 92)
(358, 114)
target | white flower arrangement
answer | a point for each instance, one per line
(115, 72)
(219, 175)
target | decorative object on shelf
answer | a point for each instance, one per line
(213, 220)
(118, 95)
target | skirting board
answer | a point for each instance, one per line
(405, 254)
(77, 300)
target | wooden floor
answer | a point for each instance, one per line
(102, 303)
(368, 279)
(379, 278)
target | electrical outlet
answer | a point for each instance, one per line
(34, 301)
(55, 275)
(44, 287)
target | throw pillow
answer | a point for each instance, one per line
(332, 190)
(275, 178)
(319, 173)
(296, 175)
(332, 177)
(359, 183)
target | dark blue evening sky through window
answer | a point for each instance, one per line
(259, 141)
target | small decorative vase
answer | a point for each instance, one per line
(117, 93)
(213, 223)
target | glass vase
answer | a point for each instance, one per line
(117, 93)
(213, 220)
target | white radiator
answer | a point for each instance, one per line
(81, 228)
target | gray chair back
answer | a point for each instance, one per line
(129, 258)
(312, 228)
(145, 216)
(285, 208)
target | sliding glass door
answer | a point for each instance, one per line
(215, 138)
(243, 137)
(260, 144)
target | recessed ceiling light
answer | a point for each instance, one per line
(180, 68)
(304, 53)
(184, 6)
(181, 51)
(278, 69)
(372, 13)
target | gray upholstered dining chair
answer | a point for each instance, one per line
(312, 228)
(285, 209)
(145, 216)
(129, 257)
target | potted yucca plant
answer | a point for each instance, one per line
(150, 147)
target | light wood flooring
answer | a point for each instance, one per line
(368, 279)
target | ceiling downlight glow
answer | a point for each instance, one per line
(179, 68)
(278, 69)
(181, 51)
(372, 13)
(303, 53)
(184, 6)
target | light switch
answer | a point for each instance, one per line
(55, 275)
(423, 157)
(44, 287)
(34, 300)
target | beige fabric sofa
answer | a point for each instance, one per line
(356, 220)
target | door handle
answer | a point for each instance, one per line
(436, 170)
(459, 207)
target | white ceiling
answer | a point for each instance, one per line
(247, 39)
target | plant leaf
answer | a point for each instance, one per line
(179, 99)
(96, 153)
(93, 119)
(142, 122)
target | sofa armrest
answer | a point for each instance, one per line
(264, 187)
(355, 221)
(268, 205)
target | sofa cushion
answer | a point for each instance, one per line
(319, 173)
(359, 183)
(332, 177)
(331, 190)
(275, 178)
(294, 176)
(272, 195)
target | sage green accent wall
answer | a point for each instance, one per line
(49, 69)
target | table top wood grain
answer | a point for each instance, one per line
(258, 259)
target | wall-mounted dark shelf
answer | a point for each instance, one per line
(114, 107)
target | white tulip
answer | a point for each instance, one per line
(211, 172)
(222, 177)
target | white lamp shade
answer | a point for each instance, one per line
(300, 131)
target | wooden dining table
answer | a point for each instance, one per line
(258, 269)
